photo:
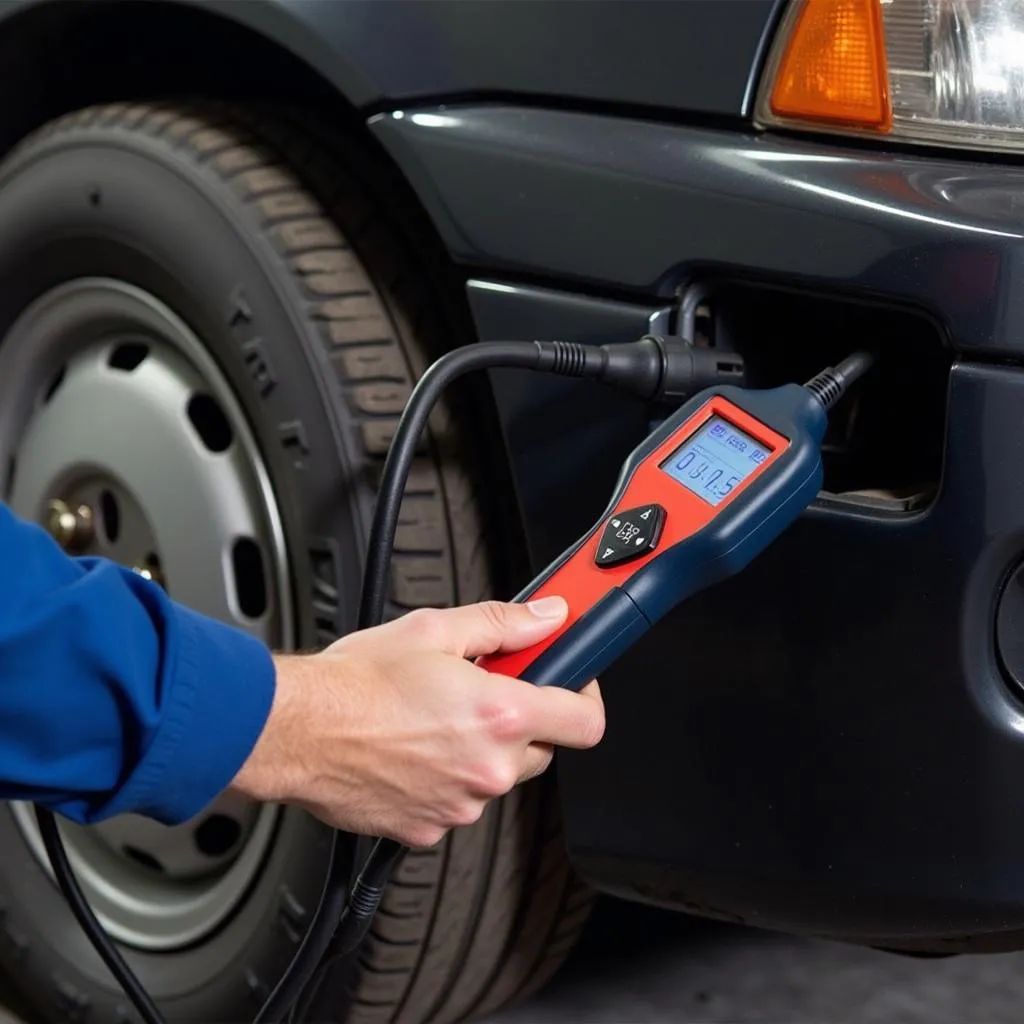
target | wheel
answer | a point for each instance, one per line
(210, 321)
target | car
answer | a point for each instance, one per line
(233, 233)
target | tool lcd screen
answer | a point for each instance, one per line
(715, 460)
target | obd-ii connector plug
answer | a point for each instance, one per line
(655, 367)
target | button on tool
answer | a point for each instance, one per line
(628, 535)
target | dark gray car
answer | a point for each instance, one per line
(232, 234)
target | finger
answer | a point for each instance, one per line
(490, 626)
(536, 761)
(563, 718)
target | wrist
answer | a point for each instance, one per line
(275, 769)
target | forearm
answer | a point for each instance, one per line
(113, 698)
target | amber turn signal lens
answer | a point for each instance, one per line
(834, 66)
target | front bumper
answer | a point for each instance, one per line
(826, 744)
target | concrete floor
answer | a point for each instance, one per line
(648, 967)
(642, 966)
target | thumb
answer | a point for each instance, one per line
(491, 626)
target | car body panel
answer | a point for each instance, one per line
(640, 205)
(697, 55)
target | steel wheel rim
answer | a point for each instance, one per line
(145, 434)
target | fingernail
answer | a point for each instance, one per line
(548, 607)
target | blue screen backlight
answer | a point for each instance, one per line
(715, 460)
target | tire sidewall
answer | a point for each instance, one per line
(160, 222)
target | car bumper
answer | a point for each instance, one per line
(849, 760)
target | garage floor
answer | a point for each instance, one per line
(646, 967)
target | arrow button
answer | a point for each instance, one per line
(629, 534)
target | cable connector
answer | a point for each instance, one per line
(688, 369)
(654, 368)
(833, 382)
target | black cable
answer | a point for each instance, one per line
(344, 933)
(331, 910)
(833, 382)
(403, 448)
(653, 368)
(103, 945)
(367, 892)
(853, 367)
(307, 969)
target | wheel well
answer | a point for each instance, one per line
(63, 55)
(68, 54)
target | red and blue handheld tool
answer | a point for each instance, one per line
(701, 497)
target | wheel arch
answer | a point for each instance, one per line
(58, 56)
(85, 41)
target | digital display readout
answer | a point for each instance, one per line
(715, 460)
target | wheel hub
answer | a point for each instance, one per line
(71, 526)
(125, 441)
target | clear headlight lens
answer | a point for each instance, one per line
(948, 72)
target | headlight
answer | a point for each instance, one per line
(947, 72)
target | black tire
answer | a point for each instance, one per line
(209, 208)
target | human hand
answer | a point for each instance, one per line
(392, 732)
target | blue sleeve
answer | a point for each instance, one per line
(113, 698)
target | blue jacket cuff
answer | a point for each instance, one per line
(221, 688)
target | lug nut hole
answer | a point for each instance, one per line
(250, 580)
(128, 356)
(110, 512)
(210, 423)
(217, 835)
